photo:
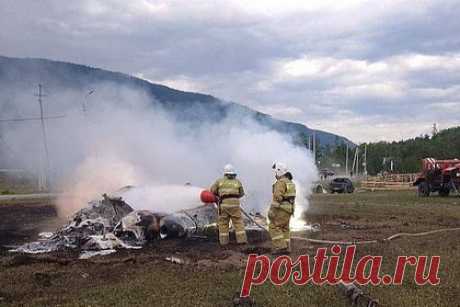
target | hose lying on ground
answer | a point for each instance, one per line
(252, 220)
(392, 237)
(356, 296)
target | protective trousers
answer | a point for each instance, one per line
(226, 213)
(279, 227)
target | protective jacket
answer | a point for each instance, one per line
(284, 193)
(229, 190)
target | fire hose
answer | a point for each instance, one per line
(252, 220)
(208, 197)
(245, 214)
(392, 237)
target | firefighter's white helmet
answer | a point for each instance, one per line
(280, 169)
(229, 170)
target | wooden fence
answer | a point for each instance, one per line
(389, 182)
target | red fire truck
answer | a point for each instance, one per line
(442, 176)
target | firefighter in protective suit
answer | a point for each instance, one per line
(229, 190)
(281, 209)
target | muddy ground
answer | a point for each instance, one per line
(202, 274)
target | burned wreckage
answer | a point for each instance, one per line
(112, 223)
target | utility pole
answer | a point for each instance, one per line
(85, 101)
(355, 168)
(357, 161)
(44, 161)
(346, 162)
(314, 146)
(365, 160)
(46, 169)
(434, 130)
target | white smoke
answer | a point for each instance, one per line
(124, 140)
(161, 198)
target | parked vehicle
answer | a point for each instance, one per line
(341, 185)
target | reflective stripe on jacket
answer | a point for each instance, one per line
(284, 193)
(228, 190)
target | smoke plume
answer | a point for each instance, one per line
(123, 139)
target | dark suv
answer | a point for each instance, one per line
(341, 185)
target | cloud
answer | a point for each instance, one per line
(309, 61)
(281, 111)
(180, 82)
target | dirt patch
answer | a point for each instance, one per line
(22, 222)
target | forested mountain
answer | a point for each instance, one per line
(24, 74)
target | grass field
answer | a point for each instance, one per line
(17, 184)
(144, 278)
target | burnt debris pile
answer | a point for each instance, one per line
(106, 225)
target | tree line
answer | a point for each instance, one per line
(404, 156)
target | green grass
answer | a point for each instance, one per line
(154, 284)
(17, 185)
(150, 281)
(381, 214)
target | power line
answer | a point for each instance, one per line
(30, 118)
(43, 181)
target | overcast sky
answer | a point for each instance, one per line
(368, 70)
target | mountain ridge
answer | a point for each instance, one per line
(31, 71)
